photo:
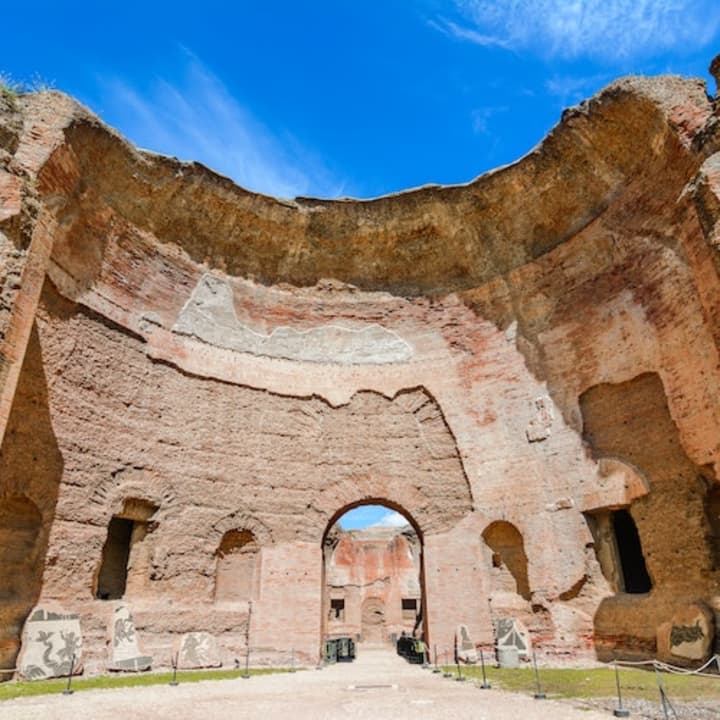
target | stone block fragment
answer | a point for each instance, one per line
(563, 503)
(540, 424)
(51, 638)
(688, 636)
(124, 652)
(464, 646)
(198, 650)
(510, 632)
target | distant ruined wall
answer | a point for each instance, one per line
(525, 366)
(373, 583)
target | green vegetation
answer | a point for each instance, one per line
(11, 690)
(598, 682)
(11, 88)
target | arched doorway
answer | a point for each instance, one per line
(373, 574)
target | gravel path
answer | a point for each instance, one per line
(377, 686)
(652, 710)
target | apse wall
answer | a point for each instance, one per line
(222, 373)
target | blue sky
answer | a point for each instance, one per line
(340, 97)
(366, 515)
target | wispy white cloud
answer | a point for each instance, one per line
(391, 519)
(452, 29)
(481, 118)
(195, 117)
(608, 29)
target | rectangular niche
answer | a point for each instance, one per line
(409, 608)
(337, 609)
(619, 550)
(123, 564)
(112, 578)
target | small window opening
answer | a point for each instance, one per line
(337, 609)
(632, 561)
(112, 578)
(124, 562)
(409, 608)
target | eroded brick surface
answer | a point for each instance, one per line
(201, 363)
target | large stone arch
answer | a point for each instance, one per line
(421, 475)
(370, 600)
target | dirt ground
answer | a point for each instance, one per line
(378, 685)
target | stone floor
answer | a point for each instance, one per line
(376, 686)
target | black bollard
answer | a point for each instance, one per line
(539, 695)
(436, 669)
(246, 674)
(68, 689)
(619, 711)
(447, 673)
(459, 677)
(663, 697)
(485, 684)
(174, 681)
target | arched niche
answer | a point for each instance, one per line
(508, 561)
(237, 568)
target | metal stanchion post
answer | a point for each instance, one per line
(485, 684)
(459, 677)
(68, 689)
(436, 669)
(246, 674)
(447, 673)
(619, 711)
(174, 681)
(539, 695)
(663, 699)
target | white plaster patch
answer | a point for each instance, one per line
(209, 315)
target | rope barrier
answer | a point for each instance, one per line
(674, 669)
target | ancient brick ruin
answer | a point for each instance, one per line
(197, 381)
(373, 582)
